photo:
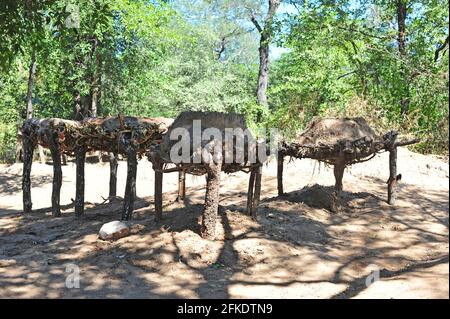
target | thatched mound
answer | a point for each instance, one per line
(329, 131)
(332, 140)
(207, 120)
(110, 134)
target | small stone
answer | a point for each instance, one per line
(113, 230)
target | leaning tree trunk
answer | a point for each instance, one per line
(211, 207)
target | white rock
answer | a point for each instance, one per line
(113, 230)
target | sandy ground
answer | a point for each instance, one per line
(296, 248)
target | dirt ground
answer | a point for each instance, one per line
(296, 248)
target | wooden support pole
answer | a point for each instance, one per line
(181, 185)
(158, 198)
(338, 171)
(257, 191)
(113, 164)
(28, 149)
(250, 192)
(57, 172)
(130, 188)
(280, 166)
(209, 219)
(80, 157)
(392, 182)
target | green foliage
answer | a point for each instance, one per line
(157, 58)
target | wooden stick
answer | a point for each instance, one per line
(251, 187)
(392, 175)
(57, 172)
(338, 171)
(28, 149)
(280, 166)
(158, 198)
(209, 219)
(79, 188)
(181, 185)
(130, 188)
(257, 191)
(113, 164)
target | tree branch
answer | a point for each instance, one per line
(438, 50)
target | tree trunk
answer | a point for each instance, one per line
(57, 173)
(79, 188)
(130, 189)
(28, 148)
(263, 74)
(264, 42)
(211, 200)
(113, 164)
(29, 106)
(401, 40)
(31, 75)
(77, 106)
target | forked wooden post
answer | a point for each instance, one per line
(80, 154)
(52, 139)
(250, 192)
(338, 171)
(113, 164)
(280, 166)
(181, 185)
(257, 191)
(211, 207)
(28, 149)
(130, 188)
(158, 198)
(392, 181)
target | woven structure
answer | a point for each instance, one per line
(342, 142)
(130, 136)
(211, 154)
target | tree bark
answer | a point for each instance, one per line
(28, 148)
(130, 189)
(57, 173)
(79, 188)
(210, 209)
(113, 164)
